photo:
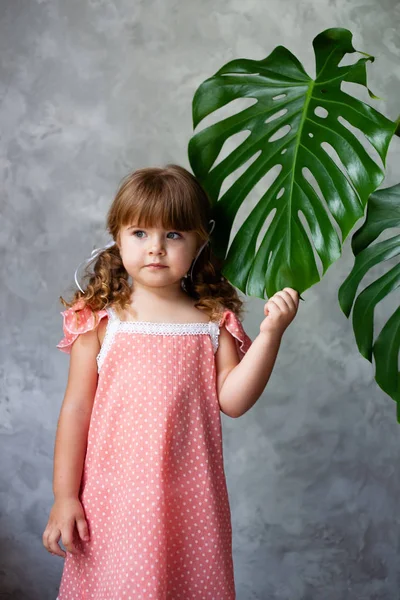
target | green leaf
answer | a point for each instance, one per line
(261, 263)
(383, 213)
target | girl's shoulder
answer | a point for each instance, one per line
(78, 319)
(233, 324)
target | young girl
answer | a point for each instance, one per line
(157, 350)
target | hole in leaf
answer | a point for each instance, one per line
(232, 108)
(237, 74)
(279, 97)
(284, 150)
(264, 230)
(231, 144)
(350, 58)
(280, 193)
(309, 235)
(311, 135)
(253, 198)
(356, 90)
(280, 113)
(234, 176)
(282, 131)
(320, 111)
(368, 147)
(330, 150)
(386, 307)
(308, 176)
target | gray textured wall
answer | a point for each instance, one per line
(90, 89)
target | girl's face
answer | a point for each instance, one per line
(174, 250)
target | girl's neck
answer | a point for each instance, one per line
(164, 296)
(153, 304)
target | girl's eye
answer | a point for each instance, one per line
(141, 231)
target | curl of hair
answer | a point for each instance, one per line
(107, 284)
(211, 289)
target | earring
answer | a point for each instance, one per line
(184, 280)
(190, 273)
(206, 243)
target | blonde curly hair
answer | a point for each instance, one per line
(174, 197)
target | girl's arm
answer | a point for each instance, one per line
(74, 419)
(240, 384)
(70, 447)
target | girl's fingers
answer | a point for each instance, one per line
(57, 551)
(295, 296)
(83, 530)
(288, 297)
(44, 538)
(52, 544)
(68, 541)
(280, 302)
(273, 307)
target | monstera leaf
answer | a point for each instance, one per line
(287, 98)
(383, 213)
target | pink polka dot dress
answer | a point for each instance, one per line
(153, 485)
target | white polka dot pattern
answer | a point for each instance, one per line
(153, 485)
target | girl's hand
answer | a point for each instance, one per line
(280, 309)
(63, 516)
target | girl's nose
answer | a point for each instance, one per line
(156, 246)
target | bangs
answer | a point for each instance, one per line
(160, 202)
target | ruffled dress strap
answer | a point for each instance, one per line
(233, 324)
(76, 320)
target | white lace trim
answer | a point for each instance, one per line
(111, 328)
(151, 328)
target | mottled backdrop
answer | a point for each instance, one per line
(89, 90)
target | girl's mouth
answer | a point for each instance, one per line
(156, 266)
